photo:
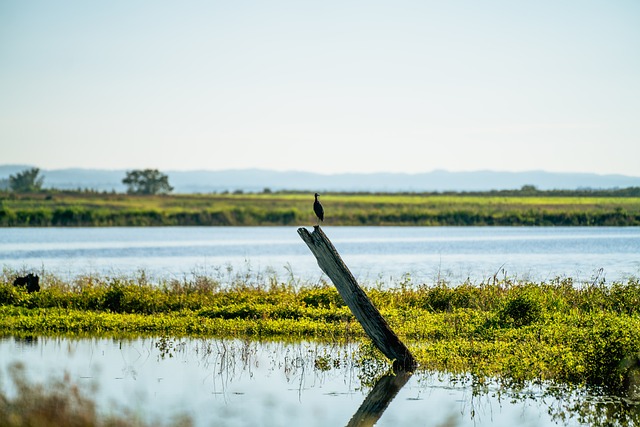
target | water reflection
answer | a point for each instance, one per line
(379, 398)
(25, 341)
(240, 382)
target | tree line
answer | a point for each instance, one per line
(138, 181)
(152, 181)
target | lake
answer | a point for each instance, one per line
(246, 383)
(374, 254)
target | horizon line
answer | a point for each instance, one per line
(259, 169)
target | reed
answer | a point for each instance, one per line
(61, 402)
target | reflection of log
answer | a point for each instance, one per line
(378, 399)
(360, 305)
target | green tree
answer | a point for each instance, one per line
(147, 181)
(529, 190)
(26, 181)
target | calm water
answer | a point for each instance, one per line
(238, 383)
(374, 254)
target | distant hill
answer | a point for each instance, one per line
(256, 180)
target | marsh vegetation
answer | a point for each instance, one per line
(507, 208)
(514, 331)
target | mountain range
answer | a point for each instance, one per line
(256, 180)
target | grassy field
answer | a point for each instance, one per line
(556, 331)
(498, 208)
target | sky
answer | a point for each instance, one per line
(330, 87)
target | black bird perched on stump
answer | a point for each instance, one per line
(318, 209)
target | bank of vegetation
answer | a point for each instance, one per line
(553, 331)
(527, 206)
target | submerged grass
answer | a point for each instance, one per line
(552, 331)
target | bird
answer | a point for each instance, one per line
(318, 209)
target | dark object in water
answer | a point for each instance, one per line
(30, 281)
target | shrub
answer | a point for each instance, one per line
(520, 310)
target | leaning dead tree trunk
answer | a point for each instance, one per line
(360, 305)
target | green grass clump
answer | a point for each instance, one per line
(557, 331)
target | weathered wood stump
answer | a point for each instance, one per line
(360, 305)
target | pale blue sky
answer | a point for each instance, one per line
(331, 86)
